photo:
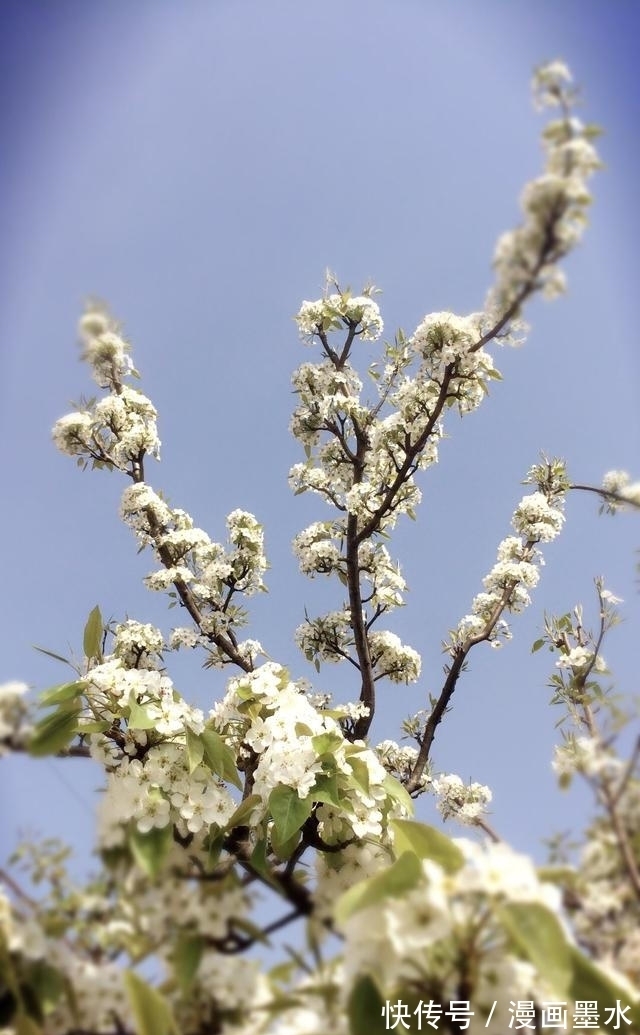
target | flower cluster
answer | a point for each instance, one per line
(400, 761)
(104, 348)
(448, 348)
(278, 786)
(538, 518)
(290, 744)
(119, 430)
(457, 800)
(13, 711)
(603, 890)
(392, 658)
(554, 205)
(330, 638)
(424, 932)
(204, 571)
(189, 555)
(586, 755)
(337, 310)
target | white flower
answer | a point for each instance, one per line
(536, 520)
(335, 311)
(72, 434)
(464, 802)
(578, 658)
(13, 707)
(400, 663)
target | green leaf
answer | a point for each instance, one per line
(25, 1025)
(259, 860)
(327, 790)
(139, 718)
(325, 743)
(282, 972)
(538, 936)
(289, 811)
(588, 982)
(396, 792)
(95, 727)
(213, 845)
(62, 692)
(365, 1008)
(360, 772)
(403, 875)
(195, 750)
(537, 645)
(219, 757)
(242, 924)
(54, 732)
(245, 809)
(92, 640)
(51, 654)
(150, 1008)
(186, 958)
(427, 843)
(47, 983)
(302, 730)
(562, 875)
(284, 847)
(150, 850)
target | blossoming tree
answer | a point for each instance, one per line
(282, 793)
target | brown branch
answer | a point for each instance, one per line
(15, 888)
(607, 496)
(453, 674)
(361, 640)
(227, 644)
(489, 831)
(628, 772)
(609, 797)
(407, 468)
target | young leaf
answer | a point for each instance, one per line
(47, 983)
(139, 718)
(92, 640)
(427, 843)
(394, 882)
(365, 1008)
(186, 958)
(327, 789)
(245, 809)
(214, 845)
(62, 692)
(25, 1025)
(289, 811)
(302, 730)
(539, 938)
(396, 791)
(151, 849)
(195, 751)
(95, 727)
(284, 847)
(360, 772)
(259, 860)
(219, 757)
(54, 732)
(150, 1008)
(51, 654)
(589, 982)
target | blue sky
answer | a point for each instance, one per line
(199, 165)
